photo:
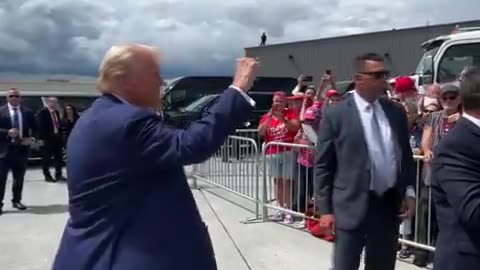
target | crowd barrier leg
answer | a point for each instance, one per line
(194, 179)
(264, 186)
(235, 169)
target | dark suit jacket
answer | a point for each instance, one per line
(456, 194)
(342, 183)
(45, 126)
(130, 204)
(28, 125)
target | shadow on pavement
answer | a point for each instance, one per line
(41, 210)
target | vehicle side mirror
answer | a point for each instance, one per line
(427, 77)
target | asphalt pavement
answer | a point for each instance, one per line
(29, 239)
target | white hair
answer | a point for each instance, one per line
(117, 62)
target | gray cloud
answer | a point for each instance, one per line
(197, 37)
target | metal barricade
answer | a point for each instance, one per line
(234, 168)
(424, 228)
(287, 184)
(250, 133)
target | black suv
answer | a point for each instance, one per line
(200, 107)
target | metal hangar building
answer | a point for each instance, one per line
(400, 47)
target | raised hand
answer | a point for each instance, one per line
(245, 74)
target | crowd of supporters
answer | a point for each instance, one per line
(295, 119)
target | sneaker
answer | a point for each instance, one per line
(301, 224)
(289, 219)
(279, 216)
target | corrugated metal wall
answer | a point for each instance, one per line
(400, 47)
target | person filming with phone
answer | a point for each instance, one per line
(280, 124)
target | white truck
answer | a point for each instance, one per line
(446, 56)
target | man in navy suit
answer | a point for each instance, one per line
(456, 185)
(129, 201)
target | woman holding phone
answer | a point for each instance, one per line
(281, 124)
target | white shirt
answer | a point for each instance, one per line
(249, 99)
(476, 121)
(388, 161)
(20, 119)
(53, 114)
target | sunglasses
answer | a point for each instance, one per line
(381, 74)
(428, 111)
(13, 96)
(445, 98)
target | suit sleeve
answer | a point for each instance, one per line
(409, 169)
(325, 166)
(3, 128)
(461, 184)
(166, 147)
(34, 124)
(39, 124)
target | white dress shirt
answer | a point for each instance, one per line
(476, 121)
(248, 98)
(387, 161)
(52, 115)
(20, 119)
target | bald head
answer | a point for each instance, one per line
(132, 72)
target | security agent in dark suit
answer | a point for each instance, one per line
(456, 184)
(50, 133)
(364, 170)
(17, 130)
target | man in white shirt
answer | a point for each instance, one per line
(456, 184)
(17, 129)
(364, 170)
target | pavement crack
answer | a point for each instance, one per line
(237, 248)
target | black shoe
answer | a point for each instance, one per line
(19, 206)
(49, 178)
(60, 178)
(420, 259)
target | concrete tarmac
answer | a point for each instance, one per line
(29, 239)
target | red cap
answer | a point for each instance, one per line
(404, 84)
(332, 92)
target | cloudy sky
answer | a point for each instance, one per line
(196, 36)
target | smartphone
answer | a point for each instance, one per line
(328, 72)
(308, 78)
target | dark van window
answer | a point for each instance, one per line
(186, 90)
(80, 103)
(265, 84)
(263, 102)
(183, 91)
(33, 103)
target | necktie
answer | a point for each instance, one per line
(15, 123)
(376, 131)
(378, 175)
(55, 121)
